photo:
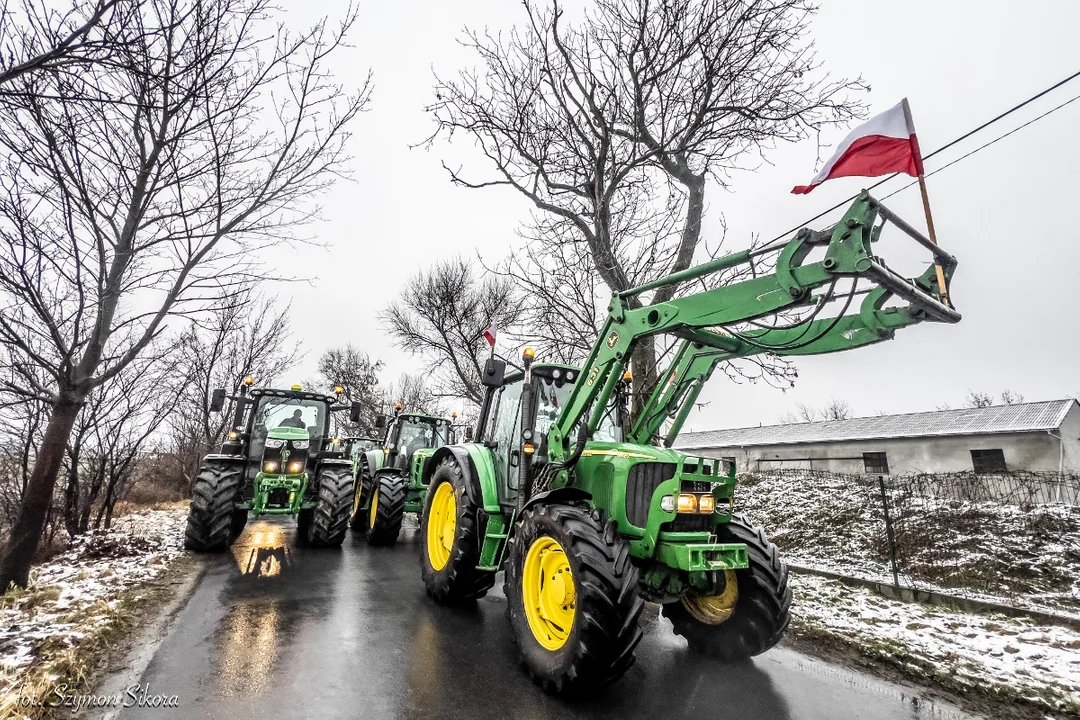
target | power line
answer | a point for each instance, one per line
(945, 147)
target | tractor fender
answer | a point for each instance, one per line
(373, 460)
(220, 457)
(558, 495)
(479, 475)
(335, 462)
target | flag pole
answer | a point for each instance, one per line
(925, 200)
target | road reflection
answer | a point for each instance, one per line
(248, 648)
(262, 552)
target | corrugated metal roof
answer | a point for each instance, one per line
(1021, 417)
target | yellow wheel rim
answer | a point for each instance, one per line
(356, 496)
(374, 507)
(714, 609)
(548, 593)
(441, 526)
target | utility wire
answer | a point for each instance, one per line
(945, 147)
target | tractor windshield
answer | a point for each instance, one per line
(550, 399)
(417, 433)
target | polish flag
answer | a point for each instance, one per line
(489, 334)
(884, 144)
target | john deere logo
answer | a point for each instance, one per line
(612, 339)
(593, 374)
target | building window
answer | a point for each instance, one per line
(988, 461)
(728, 462)
(876, 463)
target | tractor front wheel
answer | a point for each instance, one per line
(387, 508)
(211, 523)
(327, 525)
(573, 599)
(451, 539)
(751, 609)
(361, 489)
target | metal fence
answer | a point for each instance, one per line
(1011, 538)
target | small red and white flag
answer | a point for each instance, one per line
(489, 334)
(884, 144)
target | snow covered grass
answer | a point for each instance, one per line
(79, 603)
(1028, 557)
(1013, 659)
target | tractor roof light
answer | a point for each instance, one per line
(398, 406)
(339, 390)
(297, 387)
(233, 434)
(453, 414)
(529, 353)
(628, 375)
(249, 380)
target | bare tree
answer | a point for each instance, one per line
(356, 372)
(246, 334)
(414, 394)
(614, 126)
(143, 188)
(1011, 397)
(34, 36)
(978, 399)
(442, 313)
(834, 410)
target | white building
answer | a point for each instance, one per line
(1024, 436)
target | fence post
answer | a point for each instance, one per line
(889, 531)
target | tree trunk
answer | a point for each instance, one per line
(26, 533)
(643, 367)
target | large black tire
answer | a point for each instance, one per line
(457, 581)
(387, 508)
(331, 518)
(762, 610)
(210, 523)
(600, 644)
(358, 520)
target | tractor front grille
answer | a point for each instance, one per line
(642, 482)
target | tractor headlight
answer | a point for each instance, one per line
(270, 466)
(667, 503)
(274, 442)
(296, 467)
(687, 503)
(706, 504)
(233, 434)
(301, 444)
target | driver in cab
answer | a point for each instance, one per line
(296, 421)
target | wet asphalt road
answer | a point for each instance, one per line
(276, 631)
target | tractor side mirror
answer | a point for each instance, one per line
(354, 411)
(468, 434)
(493, 373)
(217, 400)
(380, 421)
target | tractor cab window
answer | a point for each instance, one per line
(550, 399)
(417, 434)
(274, 412)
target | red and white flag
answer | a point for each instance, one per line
(884, 144)
(489, 334)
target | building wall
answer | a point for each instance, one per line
(1023, 451)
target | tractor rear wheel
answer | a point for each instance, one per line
(387, 508)
(451, 539)
(358, 520)
(573, 598)
(330, 520)
(211, 526)
(752, 609)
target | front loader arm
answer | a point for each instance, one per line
(791, 285)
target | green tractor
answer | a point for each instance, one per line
(390, 479)
(277, 460)
(590, 515)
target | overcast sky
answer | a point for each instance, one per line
(1006, 213)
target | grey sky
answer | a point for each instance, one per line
(1004, 212)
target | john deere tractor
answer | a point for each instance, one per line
(278, 459)
(590, 515)
(391, 478)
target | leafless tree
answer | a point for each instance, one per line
(1011, 397)
(356, 372)
(442, 313)
(248, 333)
(414, 394)
(977, 399)
(834, 410)
(143, 188)
(36, 36)
(110, 435)
(613, 127)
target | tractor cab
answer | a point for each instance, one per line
(409, 432)
(500, 415)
